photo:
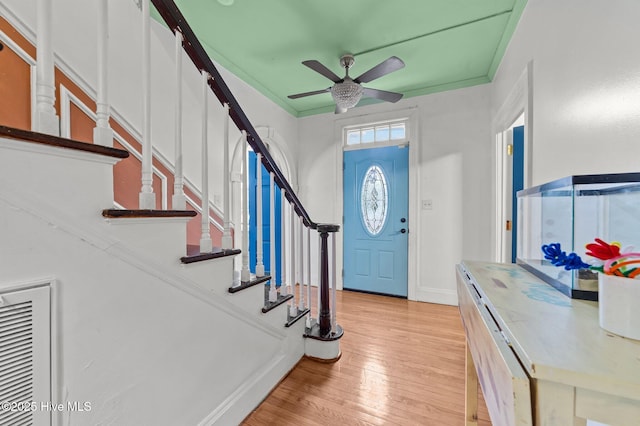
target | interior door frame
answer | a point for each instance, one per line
(410, 115)
(506, 169)
(518, 102)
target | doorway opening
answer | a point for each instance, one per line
(266, 219)
(511, 152)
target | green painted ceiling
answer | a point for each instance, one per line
(445, 44)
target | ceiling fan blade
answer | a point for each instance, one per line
(340, 110)
(390, 65)
(321, 69)
(315, 92)
(382, 94)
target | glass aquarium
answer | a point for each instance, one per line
(573, 212)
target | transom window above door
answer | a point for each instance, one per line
(378, 133)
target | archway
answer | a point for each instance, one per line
(276, 146)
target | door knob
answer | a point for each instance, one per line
(403, 231)
(403, 220)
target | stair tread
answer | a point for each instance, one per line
(294, 319)
(45, 139)
(124, 213)
(194, 255)
(248, 284)
(272, 305)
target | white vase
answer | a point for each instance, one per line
(619, 305)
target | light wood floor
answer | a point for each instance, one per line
(402, 364)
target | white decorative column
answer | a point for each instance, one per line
(293, 308)
(245, 274)
(206, 245)
(259, 248)
(178, 201)
(273, 291)
(147, 198)
(46, 120)
(283, 238)
(227, 241)
(102, 133)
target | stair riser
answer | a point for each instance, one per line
(213, 275)
(80, 182)
(250, 299)
(161, 239)
(276, 317)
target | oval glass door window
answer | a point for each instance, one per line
(374, 200)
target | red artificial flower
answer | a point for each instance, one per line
(602, 250)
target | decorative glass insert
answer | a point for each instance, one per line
(374, 200)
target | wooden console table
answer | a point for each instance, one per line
(541, 358)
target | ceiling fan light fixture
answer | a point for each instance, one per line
(346, 94)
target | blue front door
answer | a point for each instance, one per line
(266, 225)
(376, 228)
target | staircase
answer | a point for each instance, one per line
(148, 326)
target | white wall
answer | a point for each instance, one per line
(586, 85)
(451, 166)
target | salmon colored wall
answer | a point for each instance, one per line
(62, 79)
(15, 111)
(15, 82)
(194, 226)
(81, 125)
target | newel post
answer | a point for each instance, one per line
(325, 316)
(322, 338)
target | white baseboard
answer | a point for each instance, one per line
(437, 295)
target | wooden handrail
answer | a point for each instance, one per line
(176, 21)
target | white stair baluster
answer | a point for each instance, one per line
(332, 259)
(293, 308)
(259, 248)
(179, 201)
(46, 120)
(283, 238)
(227, 241)
(102, 133)
(300, 269)
(206, 245)
(147, 198)
(308, 320)
(245, 274)
(273, 291)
